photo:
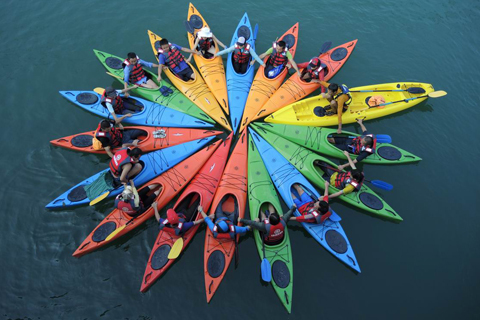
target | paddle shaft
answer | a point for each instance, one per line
(406, 100)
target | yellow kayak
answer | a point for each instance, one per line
(211, 69)
(195, 90)
(368, 102)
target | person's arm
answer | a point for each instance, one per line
(325, 84)
(218, 41)
(286, 217)
(147, 64)
(349, 160)
(360, 122)
(118, 121)
(256, 57)
(263, 55)
(190, 50)
(228, 50)
(260, 226)
(126, 77)
(125, 169)
(293, 63)
(195, 46)
(135, 192)
(157, 215)
(325, 194)
(242, 230)
(108, 151)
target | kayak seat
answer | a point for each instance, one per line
(371, 201)
(87, 98)
(280, 274)
(77, 194)
(114, 63)
(160, 257)
(104, 231)
(82, 141)
(244, 31)
(389, 153)
(196, 21)
(339, 54)
(336, 241)
(374, 100)
(216, 264)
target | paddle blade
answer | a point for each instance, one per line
(114, 75)
(384, 138)
(188, 26)
(382, 185)
(99, 198)
(325, 47)
(255, 32)
(176, 249)
(437, 94)
(99, 90)
(266, 270)
(416, 90)
(115, 232)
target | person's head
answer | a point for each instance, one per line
(105, 125)
(367, 141)
(132, 57)
(164, 45)
(314, 63)
(127, 194)
(135, 154)
(323, 206)
(110, 92)
(280, 46)
(274, 218)
(357, 175)
(205, 33)
(172, 217)
(332, 88)
(241, 41)
(222, 226)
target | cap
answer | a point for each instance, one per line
(205, 33)
(241, 41)
(314, 63)
(110, 92)
(172, 216)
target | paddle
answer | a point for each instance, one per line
(414, 90)
(255, 32)
(99, 198)
(188, 26)
(434, 94)
(265, 266)
(115, 232)
(383, 138)
(176, 249)
(99, 90)
(325, 47)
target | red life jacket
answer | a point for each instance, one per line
(345, 178)
(239, 56)
(136, 71)
(116, 102)
(231, 230)
(114, 136)
(307, 208)
(274, 233)
(120, 158)
(177, 229)
(357, 147)
(127, 207)
(314, 73)
(278, 59)
(205, 44)
(173, 57)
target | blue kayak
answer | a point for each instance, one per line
(238, 85)
(153, 114)
(284, 175)
(154, 164)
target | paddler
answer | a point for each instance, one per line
(222, 227)
(169, 56)
(205, 43)
(311, 210)
(312, 72)
(116, 105)
(108, 136)
(339, 98)
(272, 225)
(135, 203)
(125, 165)
(134, 73)
(242, 53)
(176, 221)
(279, 57)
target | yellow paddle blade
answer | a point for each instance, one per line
(99, 90)
(437, 94)
(176, 249)
(99, 198)
(115, 232)
(114, 75)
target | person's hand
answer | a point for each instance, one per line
(257, 219)
(252, 62)
(135, 142)
(189, 59)
(126, 95)
(154, 204)
(249, 228)
(327, 184)
(340, 167)
(198, 53)
(239, 220)
(224, 47)
(212, 216)
(132, 183)
(135, 86)
(299, 74)
(200, 209)
(293, 218)
(294, 206)
(359, 121)
(339, 131)
(159, 78)
(346, 153)
(128, 115)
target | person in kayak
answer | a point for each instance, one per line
(347, 182)
(205, 43)
(135, 203)
(311, 210)
(175, 220)
(339, 98)
(125, 165)
(116, 105)
(110, 137)
(169, 56)
(272, 225)
(242, 53)
(134, 73)
(313, 71)
(279, 58)
(362, 146)
(222, 228)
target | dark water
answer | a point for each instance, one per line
(425, 267)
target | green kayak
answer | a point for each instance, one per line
(261, 193)
(315, 138)
(303, 159)
(175, 100)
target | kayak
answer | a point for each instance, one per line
(261, 193)
(199, 192)
(155, 138)
(238, 84)
(284, 175)
(154, 164)
(175, 100)
(305, 162)
(119, 223)
(195, 90)
(231, 196)
(310, 112)
(262, 87)
(295, 89)
(153, 114)
(211, 69)
(316, 139)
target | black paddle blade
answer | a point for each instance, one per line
(325, 47)
(416, 90)
(188, 27)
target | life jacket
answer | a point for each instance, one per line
(120, 158)
(136, 72)
(173, 57)
(127, 207)
(315, 73)
(231, 230)
(177, 229)
(344, 178)
(114, 136)
(239, 56)
(357, 147)
(205, 44)
(116, 102)
(274, 232)
(278, 59)
(307, 208)
(346, 91)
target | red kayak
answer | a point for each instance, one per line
(118, 223)
(231, 195)
(199, 192)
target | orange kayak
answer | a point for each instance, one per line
(211, 69)
(155, 138)
(199, 192)
(295, 89)
(231, 195)
(195, 90)
(262, 87)
(120, 223)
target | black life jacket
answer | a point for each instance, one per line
(205, 44)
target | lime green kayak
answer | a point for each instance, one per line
(175, 100)
(261, 192)
(315, 138)
(303, 159)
